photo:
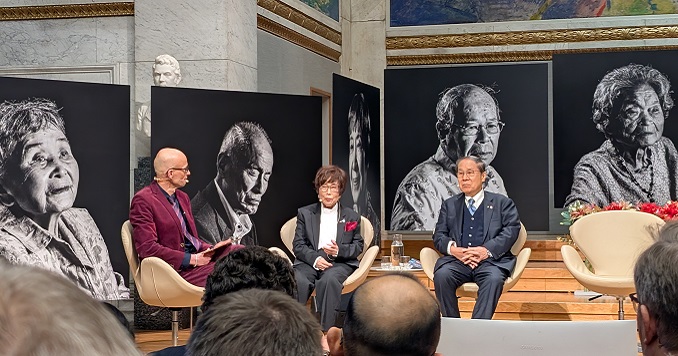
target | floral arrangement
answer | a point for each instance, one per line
(576, 210)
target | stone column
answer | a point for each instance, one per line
(214, 41)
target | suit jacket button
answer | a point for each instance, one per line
(182, 245)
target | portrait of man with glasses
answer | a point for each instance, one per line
(468, 124)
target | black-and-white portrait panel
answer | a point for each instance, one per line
(356, 144)
(253, 157)
(433, 116)
(64, 180)
(613, 141)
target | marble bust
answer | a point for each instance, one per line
(166, 73)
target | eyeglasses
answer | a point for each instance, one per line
(185, 169)
(329, 188)
(470, 174)
(635, 301)
(492, 128)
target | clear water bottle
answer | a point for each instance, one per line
(397, 249)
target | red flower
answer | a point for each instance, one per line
(350, 226)
(618, 206)
(651, 208)
(669, 211)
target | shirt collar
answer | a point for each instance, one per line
(333, 210)
(244, 219)
(477, 199)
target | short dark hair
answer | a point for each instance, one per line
(256, 322)
(479, 162)
(18, 119)
(449, 102)
(656, 279)
(373, 326)
(237, 147)
(359, 117)
(329, 174)
(617, 83)
(249, 267)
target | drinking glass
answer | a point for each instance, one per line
(405, 262)
(385, 262)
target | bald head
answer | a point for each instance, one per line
(171, 169)
(392, 315)
(167, 158)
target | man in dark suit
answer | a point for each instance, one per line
(326, 244)
(475, 232)
(244, 164)
(163, 222)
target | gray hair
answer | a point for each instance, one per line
(31, 324)
(256, 322)
(167, 60)
(479, 162)
(656, 279)
(617, 84)
(18, 119)
(237, 147)
(450, 101)
(359, 116)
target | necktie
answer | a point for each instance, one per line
(471, 207)
(177, 210)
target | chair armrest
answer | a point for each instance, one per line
(359, 275)
(521, 263)
(428, 258)
(163, 286)
(280, 253)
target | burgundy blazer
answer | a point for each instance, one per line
(157, 229)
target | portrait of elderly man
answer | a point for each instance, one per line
(39, 179)
(359, 149)
(244, 165)
(166, 73)
(468, 123)
(635, 163)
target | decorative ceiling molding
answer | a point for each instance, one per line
(514, 56)
(287, 34)
(283, 10)
(48, 12)
(531, 37)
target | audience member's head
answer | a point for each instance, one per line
(256, 322)
(668, 232)
(656, 279)
(249, 267)
(44, 314)
(390, 315)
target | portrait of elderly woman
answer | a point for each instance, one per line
(635, 163)
(358, 164)
(38, 184)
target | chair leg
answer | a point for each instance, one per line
(191, 322)
(621, 308)
(175, 327)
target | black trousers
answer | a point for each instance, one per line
(450, 276)
(327, 284)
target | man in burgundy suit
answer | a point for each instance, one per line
(163, 222)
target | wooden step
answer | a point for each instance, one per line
(552, 306)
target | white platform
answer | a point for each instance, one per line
(549, 338)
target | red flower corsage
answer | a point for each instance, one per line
(350, 226)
